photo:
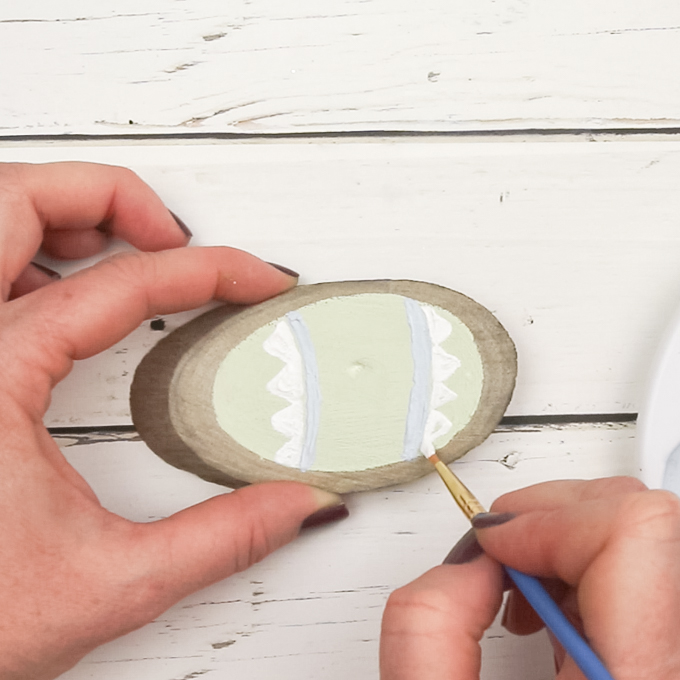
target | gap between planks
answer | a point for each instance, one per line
(520, 135)
(102, 434)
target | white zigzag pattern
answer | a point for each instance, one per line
(289, 385)
(444, 365)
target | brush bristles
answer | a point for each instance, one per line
(461, 494)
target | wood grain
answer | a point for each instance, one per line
(264, 67)
(299, 614)
(172, 393)
(573, 246)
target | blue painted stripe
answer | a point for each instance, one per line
(312, 390)
(419, 399)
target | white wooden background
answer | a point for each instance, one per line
(543, 182)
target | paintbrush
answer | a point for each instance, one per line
(531, 588)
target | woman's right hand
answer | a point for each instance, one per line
(610, 551)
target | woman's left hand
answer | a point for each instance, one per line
(73, 575)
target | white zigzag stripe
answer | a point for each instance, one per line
(444, 365)
(289, 385)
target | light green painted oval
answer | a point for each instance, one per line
(363, 352)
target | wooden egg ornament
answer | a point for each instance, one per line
(341, 385)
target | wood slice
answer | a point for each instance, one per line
(341, 385)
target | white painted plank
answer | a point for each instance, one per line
(313, 609)
(574, 246)
(269, 67)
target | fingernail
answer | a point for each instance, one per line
(180, 223)
(326, 516)
(486, 520)
(285, 270)
(46, 270)
(466, 550)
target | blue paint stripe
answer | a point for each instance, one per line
(419, 399)
(312, 390)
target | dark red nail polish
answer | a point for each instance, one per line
(46, 270)
(486, 520)
(466, 550)
(180, 223)
(326, 516)
(285, 270)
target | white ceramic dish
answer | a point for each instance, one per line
(659, 421)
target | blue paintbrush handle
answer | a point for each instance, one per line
(577, 648)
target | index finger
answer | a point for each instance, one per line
(562, 527)
(554, 494)
(88, 312)
(69, 205)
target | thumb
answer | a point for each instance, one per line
(431, 627)
(226, 534)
